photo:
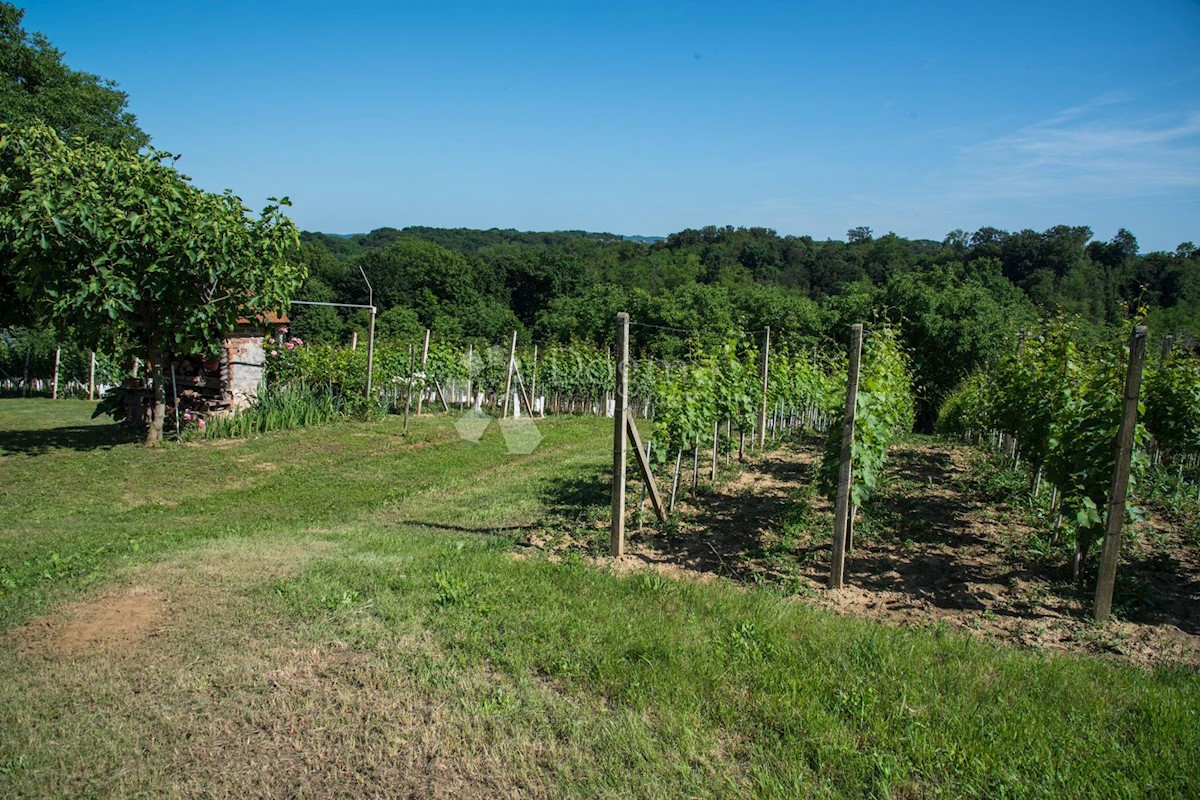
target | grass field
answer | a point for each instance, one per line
(347, 611)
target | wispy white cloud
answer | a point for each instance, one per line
(1103, 148)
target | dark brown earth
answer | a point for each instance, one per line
(931, 550)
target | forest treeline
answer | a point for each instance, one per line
(958, 302)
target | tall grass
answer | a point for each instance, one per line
(279, 408)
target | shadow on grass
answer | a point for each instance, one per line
(72, 437)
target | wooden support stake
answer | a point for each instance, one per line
(841, 514)
(470, 372)
(512, 359)
(354, 340)
(696, 465)
(521, 389)
(92, 378)
(1119, 490)
(54, 389)
(716, 444)
(441, 395)
(620, 418)
(643, 462)
(675, 481)
(424, 361)
(408, 395)
(370, 352)
(762, 410)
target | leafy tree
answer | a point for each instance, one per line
(120, 244)
(36, 86)
(860, 235)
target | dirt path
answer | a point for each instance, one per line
(930, 551)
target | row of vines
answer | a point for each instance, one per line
(1056, 404)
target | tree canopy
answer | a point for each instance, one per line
(37, 86)
(120, 245)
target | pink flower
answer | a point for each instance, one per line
(274, 352)
(282, 331)
(290, 346)
(200, 422)
(270, 340)
(298, 340)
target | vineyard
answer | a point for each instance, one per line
(1052, 405)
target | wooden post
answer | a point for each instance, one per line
(54, 389)
(92, 378)
(522, 392)
(620, 441)
(470, 373)
(675, 481)
(841, 514)
(441, 395)
(1117, 493)
(408, 395)
(1167, 343)
(762, 411)
(533, 384)
(716, 443)
(354, 340)
(424, 361)
(370, 352)
(512, 358)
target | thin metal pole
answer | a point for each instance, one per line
(370, 352)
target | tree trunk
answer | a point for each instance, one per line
(154, 432)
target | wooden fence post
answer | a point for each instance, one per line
(54, 389)
(92, 378)
(508, 374)
(1117, 493)
(424, 361)
(620, 436)
(353, 340)
(841, 514)
(370, 352)
(762, 411)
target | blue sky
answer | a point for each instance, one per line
(646, 118)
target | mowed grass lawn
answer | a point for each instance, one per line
(347, 611)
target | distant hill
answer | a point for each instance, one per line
(463, 239)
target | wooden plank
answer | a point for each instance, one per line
(643, 462)
(620, 440)
(841, 513)
(1119, 491)
(92, 377)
